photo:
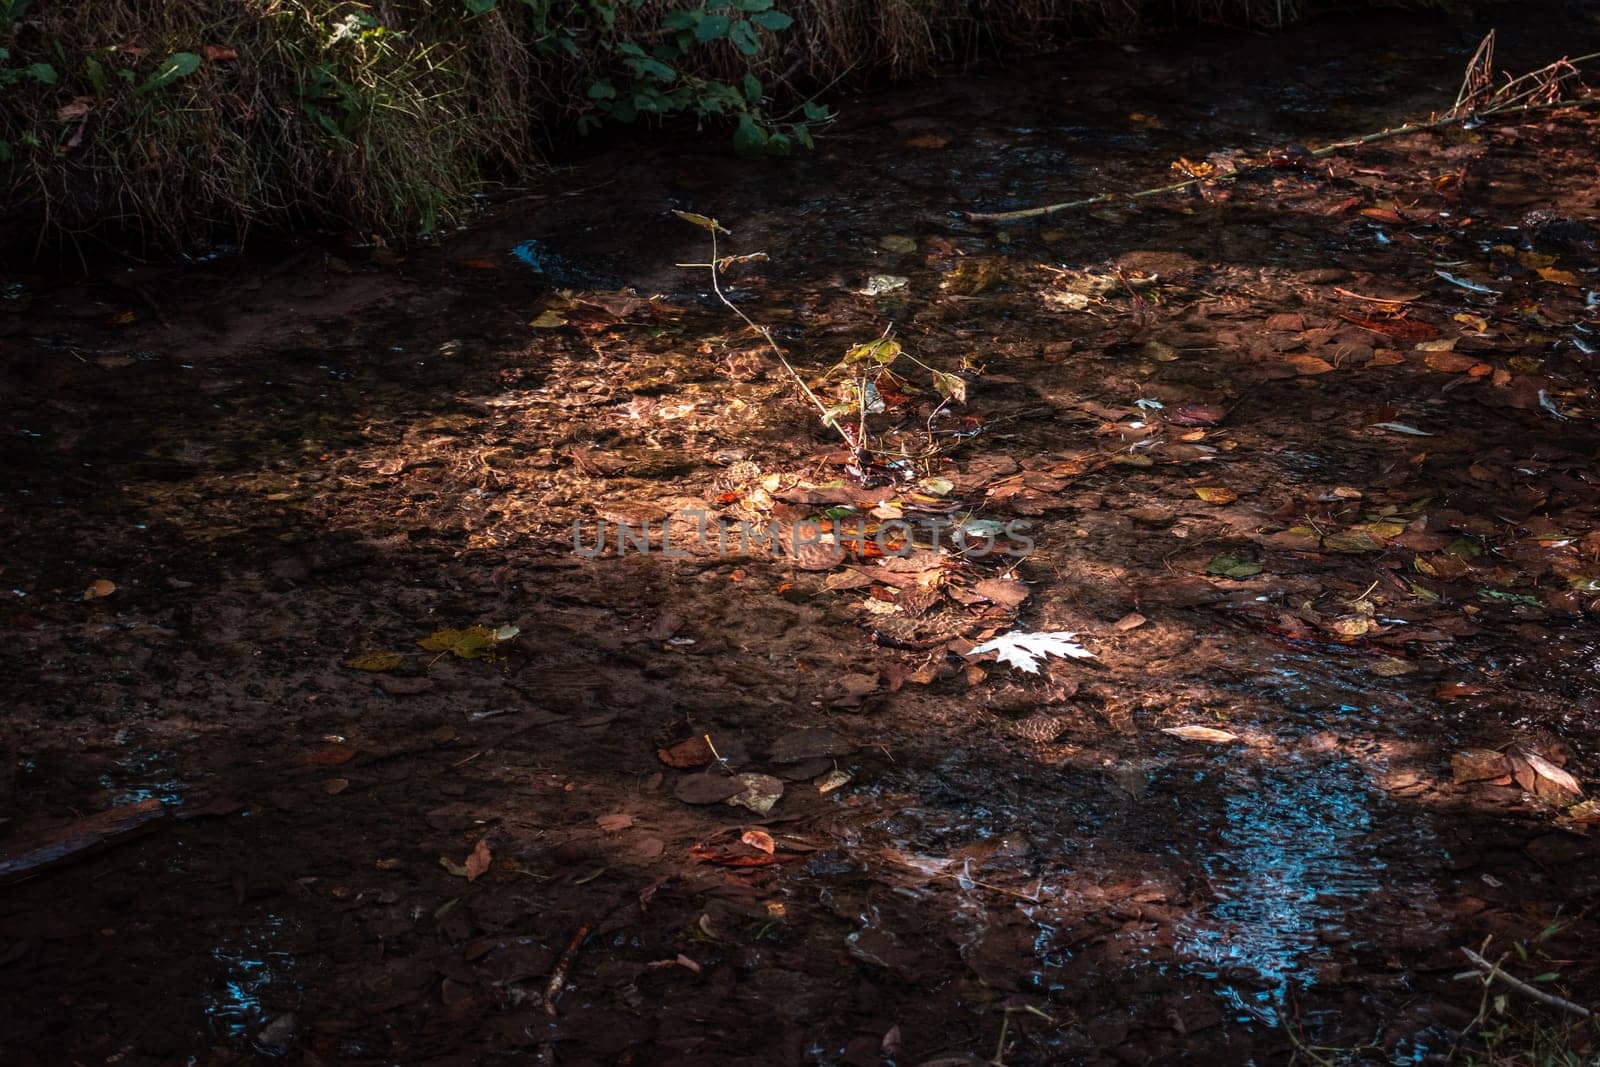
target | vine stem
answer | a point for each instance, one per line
(828, 418)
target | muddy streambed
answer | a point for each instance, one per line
(1308, 461)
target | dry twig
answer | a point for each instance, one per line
(1492, 971)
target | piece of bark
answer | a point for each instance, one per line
(75, 840)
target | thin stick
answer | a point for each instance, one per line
(828, 419)
(959, 878)
(552, 991)
(1492, 971)
(1000, 1048)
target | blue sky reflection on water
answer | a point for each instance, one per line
(247, 968)
(1290, 860)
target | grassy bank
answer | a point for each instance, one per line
(170, 125)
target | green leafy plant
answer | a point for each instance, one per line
(641, 73)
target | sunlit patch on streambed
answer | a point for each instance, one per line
(1291, 860)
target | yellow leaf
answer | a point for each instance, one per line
(475, 642)
(1560, 277)
(1216, 494)
(548, 320)
(1190, 168)
(375, 661)
(950, 386)
(703, 221)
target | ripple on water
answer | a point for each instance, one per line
(1289, 859)
(247, 967)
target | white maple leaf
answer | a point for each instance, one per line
(1025, 651)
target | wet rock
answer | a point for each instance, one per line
(1553, 850)
(711, 788)
(805, 744)
(1479, 765)
(1162, 264)
(1561, 232)
(276, 1037)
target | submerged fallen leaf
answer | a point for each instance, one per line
(693, 752)
(100, 587)
(1478, 765)
(613, 823)
(760, 793)
(1309, 365)
(475, 642)
(759, 840)
(1230, 566)
(1391, 667)
(329, 756)
(1196, 415)
(1586, 812)
(479, 861)
(1404, 329)
(1208, 734)
(1006, 593)
(1544, 779)
(707, 854)
(834, 779)
(375, 661)
(878, 284)
(1216, 494)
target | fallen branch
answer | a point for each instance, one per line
(78, 839)
(1492, 971)
(552, 991)
(1508, 100)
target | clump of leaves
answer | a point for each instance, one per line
(865, 380)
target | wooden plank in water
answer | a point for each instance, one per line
(75, 840)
